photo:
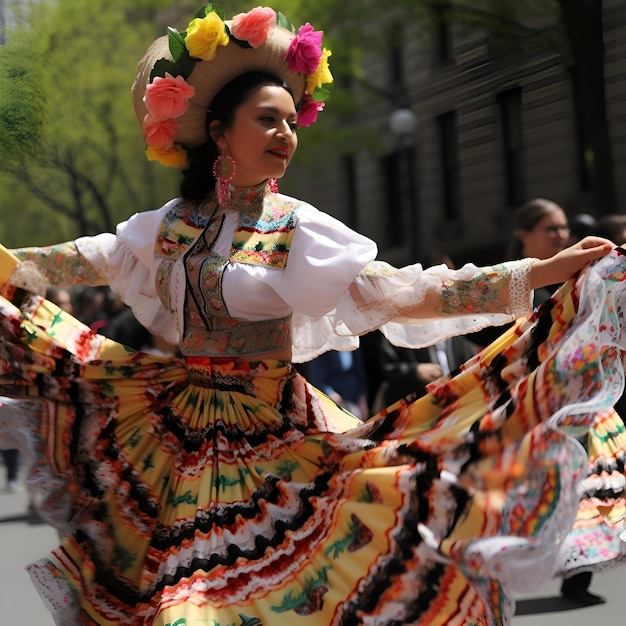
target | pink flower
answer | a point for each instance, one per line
(169, 96)
(308, 111)
(305, 50)
(159, 131)
(254, 25)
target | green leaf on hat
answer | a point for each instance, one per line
(211, 8)
(183, 67)
(282, 21)
(176, 42)
(321, 94)
(240, 42)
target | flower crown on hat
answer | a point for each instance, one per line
(170, 91)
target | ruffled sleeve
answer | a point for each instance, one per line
(324, 258)
(414, 307)
(126, 260)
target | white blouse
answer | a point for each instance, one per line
(332, 283)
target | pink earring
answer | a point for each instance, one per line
(273, 183)
(224, 170)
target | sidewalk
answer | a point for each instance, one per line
(23, 540)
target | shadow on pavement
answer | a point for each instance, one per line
(553, 604)
(28, 518)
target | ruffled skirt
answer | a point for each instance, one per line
(225, 492)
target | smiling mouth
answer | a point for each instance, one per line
(279, 153)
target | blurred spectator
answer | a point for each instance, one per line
(541, 230)
(613, 227)
(126, 329)
(369, 346)
(406, 370)
(341, 376)
(580, 226)
(61, 297)
(89, 306)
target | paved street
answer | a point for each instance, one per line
(22, 541)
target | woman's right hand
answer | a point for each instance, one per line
(567, 263)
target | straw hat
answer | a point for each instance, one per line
(180, 74)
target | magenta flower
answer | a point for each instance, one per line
(305, 50)
(308, 111)
(169, 96)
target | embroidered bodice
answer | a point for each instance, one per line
(262, 234)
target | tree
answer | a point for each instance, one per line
(72, 160)
(70, 140)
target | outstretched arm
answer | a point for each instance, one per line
(62, 265)
(487, 292)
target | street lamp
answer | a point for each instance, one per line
(402, 124)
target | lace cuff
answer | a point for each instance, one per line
(27, 276)
(520, 293)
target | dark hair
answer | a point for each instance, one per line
(582, 225)
(198, 180)
(612, 227)
(526, 218)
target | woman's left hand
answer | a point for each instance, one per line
(567, 263)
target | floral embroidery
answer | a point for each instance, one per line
(264, 237)
(358, 536)
(62, 264)
(484, 293)
(308, 601)
(180, 228)
(185, 498)
(123, 558)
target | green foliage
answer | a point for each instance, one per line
(73, 149)
(21, 104)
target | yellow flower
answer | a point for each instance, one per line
(204, 35)
(172, 157)
(321, 75)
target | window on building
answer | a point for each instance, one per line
(584, 154)
(396, 199)
(510, 109)
(449, 155)
(395, 62)
(442, 34)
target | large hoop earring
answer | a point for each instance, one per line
(224, 170)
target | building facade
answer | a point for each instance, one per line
(496, 126)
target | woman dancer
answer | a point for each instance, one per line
(220, 487)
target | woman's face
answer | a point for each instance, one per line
(547, 238)
(262, 138)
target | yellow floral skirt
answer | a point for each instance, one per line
(226, 492)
